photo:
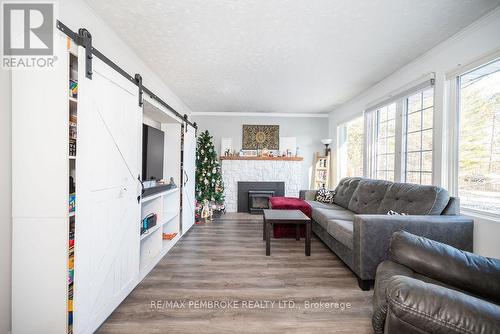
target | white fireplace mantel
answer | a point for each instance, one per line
(252, 170)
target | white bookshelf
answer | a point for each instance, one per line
(166, 204)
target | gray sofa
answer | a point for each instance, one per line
(357, 228)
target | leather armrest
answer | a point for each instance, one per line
(372, 235)
(417, 307)
(385, 271)
(463, 270)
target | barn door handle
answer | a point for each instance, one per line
(142, 188)
(187, 178)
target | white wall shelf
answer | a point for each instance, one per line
(169, 217)
(150, 232)
(163, 193)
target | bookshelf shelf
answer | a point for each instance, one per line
(150, 232)
(169, 217)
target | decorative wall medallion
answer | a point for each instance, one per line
(260, 137)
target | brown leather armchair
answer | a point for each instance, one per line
(430, 287)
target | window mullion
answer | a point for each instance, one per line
(400, 128)
(451, 164)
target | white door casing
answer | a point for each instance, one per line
(188, 190)
(107, 211)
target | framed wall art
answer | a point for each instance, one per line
(261, 136)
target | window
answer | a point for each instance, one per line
(418, 125)
(400, 136)
(351, 138)
(479, 139)
(386, 142)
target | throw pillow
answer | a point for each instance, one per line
(325, 196)
(394, 213)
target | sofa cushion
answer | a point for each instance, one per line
(414, 199)
(342, 231)
(319, 205)
(344, 191)
(322, 216)
(368, 196)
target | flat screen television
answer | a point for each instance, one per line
(152, 153)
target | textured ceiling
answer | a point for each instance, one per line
(296, 56)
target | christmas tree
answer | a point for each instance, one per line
(209, 185)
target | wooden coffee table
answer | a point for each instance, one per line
(295, 217)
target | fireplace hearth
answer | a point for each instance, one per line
(253, 197)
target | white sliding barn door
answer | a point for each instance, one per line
(107, 211)
(188, 195)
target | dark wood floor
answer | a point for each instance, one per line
(225, 261)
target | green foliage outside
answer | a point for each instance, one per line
(479, 146)
(355, 138)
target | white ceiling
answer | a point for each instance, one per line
(290, 56)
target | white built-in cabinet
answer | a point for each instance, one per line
(109, 256)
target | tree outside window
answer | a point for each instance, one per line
(351, 147)
(479, 145)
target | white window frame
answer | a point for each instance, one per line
(399, 98)
(397, 153)
(452, 119)
(404, 130)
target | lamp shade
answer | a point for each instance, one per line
(327, 141)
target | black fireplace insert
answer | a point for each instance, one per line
(258, 200)
(256, 194)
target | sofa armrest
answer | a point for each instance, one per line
(309, 195)
(372, 235)
(414, 306)
(466, 271)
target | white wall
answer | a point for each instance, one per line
(479, 39)
(5, 201)
(308, 130)
(75, 14)
(487, 237)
